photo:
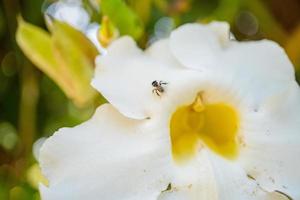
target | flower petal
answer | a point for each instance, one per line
(125, 74)
(160, 50)
(70, 12)
(194, 181)
(272, 138)
(262, 58)
(92, 33)
(107, 157)
(198, 46)
(208, 48)
(254, 71)
(222, 29)
(219, 179)
(232, 181)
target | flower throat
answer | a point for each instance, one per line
(197, 125)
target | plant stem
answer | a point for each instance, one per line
(28, 105)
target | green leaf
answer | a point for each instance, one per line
(76, 56)
(67, 57)
(226, 11)
(37, 46)
(123, 17)
(142, 8)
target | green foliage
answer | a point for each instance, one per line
(224, 12)
(66, 56)
(75, 55)
(142, 9)
(123, 17)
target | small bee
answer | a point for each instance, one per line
(158, 88)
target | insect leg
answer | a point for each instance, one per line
(157, 92)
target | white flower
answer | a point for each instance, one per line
(92, 32)
(73, 13)
(70, 12)
(226, 125)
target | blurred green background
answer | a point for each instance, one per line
(32, 106)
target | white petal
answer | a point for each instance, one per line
(272, 138)
(160, 50)
(108, 157)
(125, 74)
(198, 46)
(194, 180)
(208, 48)
(70, 12)
(262, 58)
(91, 32)
(254, 72)
(233, 183)
(216, 179)
(222, 29)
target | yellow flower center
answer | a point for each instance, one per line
(211, 125)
